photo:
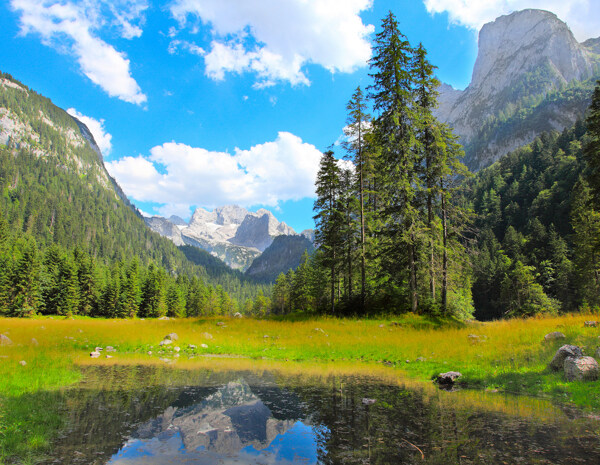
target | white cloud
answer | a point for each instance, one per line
(72, 27)
(269, 173)
(275, 39)
(582, 16)
(176, 45)
(96, 127)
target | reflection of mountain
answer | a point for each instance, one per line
(225, 422)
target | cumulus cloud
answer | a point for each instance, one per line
(269, 173)
(72, 27)
(96, 127)
(275, 39)
(582, 16)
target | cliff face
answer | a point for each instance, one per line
(523, 58)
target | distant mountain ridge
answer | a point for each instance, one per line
(231, 233)
(531, 76)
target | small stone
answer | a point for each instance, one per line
(207, 335)
(204, 346)
(166, 360)
(319, 330)
(382, 326)
(192, 346)
(407, 361)
(590, 324)
(421, 359)
(22, 363)
(5, 340)
(110, 349)
(581, 369)
(448, 378)
(172, 336)
(220, 323)
(99, 349)
(109, 356)
(367, 401)
(176, 349)
(266, 336)
(95, 354)
(164, 318)
(237, 315)
(561, 354)
(149, 352)
(554, 335)
(165, 342)
(176, 355)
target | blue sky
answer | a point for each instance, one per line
(213, 102)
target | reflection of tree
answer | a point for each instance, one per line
(406, 427)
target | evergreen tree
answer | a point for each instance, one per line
(68, 297)
(25, 297)
(358, 125)
(152, 303)
(175, 301)
(130, 292)
(392, 95)
(329, 219)
(592, 146)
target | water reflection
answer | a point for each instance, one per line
(232, 422)
(123, 416)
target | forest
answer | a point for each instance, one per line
(408, 227)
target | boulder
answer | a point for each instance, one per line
(192, 346)
(554, 335)
(110, 349)
(581, 369)
(23, 363)
(590, 324)
(95, 354)
(237, 315)
(204, 346)
(176, 349)
(5, 340)
(367, 401)
(172, 336)
(448, 378)
(165, 342)
(561, 354)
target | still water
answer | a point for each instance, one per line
(149, 415)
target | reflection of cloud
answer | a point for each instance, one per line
(230, 426)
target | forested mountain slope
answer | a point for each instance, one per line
(55, 189)
(529, 251)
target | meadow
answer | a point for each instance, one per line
(508, 356)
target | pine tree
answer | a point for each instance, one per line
(392, 95)
(152, 303)
(175, 301)
(328, 220)
(5, 267)
(358, 125)
(592, 146)
(130, 292)
(25, 299)
(68, 300)
(586, 241)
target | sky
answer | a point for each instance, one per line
(204, 103)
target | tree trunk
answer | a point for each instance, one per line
(445, 253)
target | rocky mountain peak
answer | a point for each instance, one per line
(230, 214)
(522, 58)
(518, 42)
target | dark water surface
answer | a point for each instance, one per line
(150, 415)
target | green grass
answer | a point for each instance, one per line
(506, 355)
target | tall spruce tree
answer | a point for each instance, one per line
(392, 96)
(328, 218)
(592, 147)
(358, 125)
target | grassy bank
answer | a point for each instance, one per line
(507, 355)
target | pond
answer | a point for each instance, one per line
(161, 415)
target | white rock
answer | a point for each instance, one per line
(581, 369)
